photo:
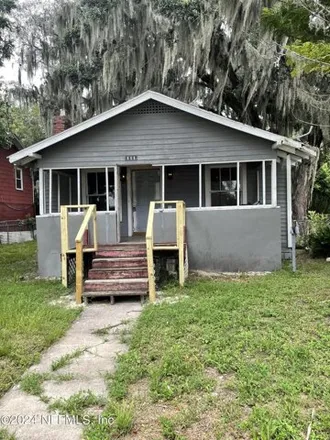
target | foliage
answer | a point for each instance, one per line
(319, 234)
(26, 124)
(263, 341)
(77, 404)
(66, 359)
(306, 24)
(28, 323)
(6, 28)
(23, 122)
(321, 193)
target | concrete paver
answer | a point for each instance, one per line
(26, 416)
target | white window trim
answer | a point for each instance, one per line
(244, 178)
(20, 179)
(84, 185)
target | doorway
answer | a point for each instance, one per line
(145, 188)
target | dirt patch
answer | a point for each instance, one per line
(193, 416)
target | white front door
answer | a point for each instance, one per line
(146, 188)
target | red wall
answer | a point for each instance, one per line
(14, 204)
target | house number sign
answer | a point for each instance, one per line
(131, 158)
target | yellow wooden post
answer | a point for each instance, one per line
(95, 230)
(64, 245)
(180, 229)
(150, 253)
(79, 271)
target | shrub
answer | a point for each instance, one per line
(319, 234)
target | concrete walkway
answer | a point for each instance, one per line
(26, 416)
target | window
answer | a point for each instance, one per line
(19, 179)
(96, 190)
(224, 186)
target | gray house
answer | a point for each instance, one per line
(234, 179)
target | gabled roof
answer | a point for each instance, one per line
(280, 142)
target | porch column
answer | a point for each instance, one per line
(289, 198)
(41, 191)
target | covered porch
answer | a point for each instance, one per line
(125, 192)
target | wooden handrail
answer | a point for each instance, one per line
(180, 242)
(90, 214)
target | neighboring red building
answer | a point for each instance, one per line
(16, 187)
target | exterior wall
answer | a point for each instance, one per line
(218, 240)
(49, 238)
(228, 240)
(282, 202)
(156, 134)
(14, 204)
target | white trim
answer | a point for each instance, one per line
(224, 162)
(129, 203)
(200, 185)
(238, 184)
(208, 178)
(134, 200)
(70, 190)
(58, 192)
(106, 189)
(50, 195)
(258, 185)
(117, 208)
(274, 182)
(20, 179)
(78, 189)
(41, 191)
(73, 213)
(264, 182)
(289, 198)
(223, 208)
(244, 185)
(116, 188)
(221, 120)
(163, 184)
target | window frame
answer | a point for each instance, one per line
(20, 179)
(230, 167)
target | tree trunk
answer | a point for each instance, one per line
(303, 184)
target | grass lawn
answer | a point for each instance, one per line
(28, 322)
(244, 358)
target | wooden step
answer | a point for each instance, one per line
(122, 262)
(117, 285)
(118, 253)
(91, 294)
(118, 273)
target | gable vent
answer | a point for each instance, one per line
(151, 107)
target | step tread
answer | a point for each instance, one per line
(116, 293)
(119, 280)
(118, 269)
(120, 259)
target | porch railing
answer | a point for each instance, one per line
(89, 214)
(179, 245)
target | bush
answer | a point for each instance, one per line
(319, 234)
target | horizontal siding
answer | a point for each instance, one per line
(156, 138)
(282, 202)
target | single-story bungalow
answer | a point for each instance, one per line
(235, 181)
